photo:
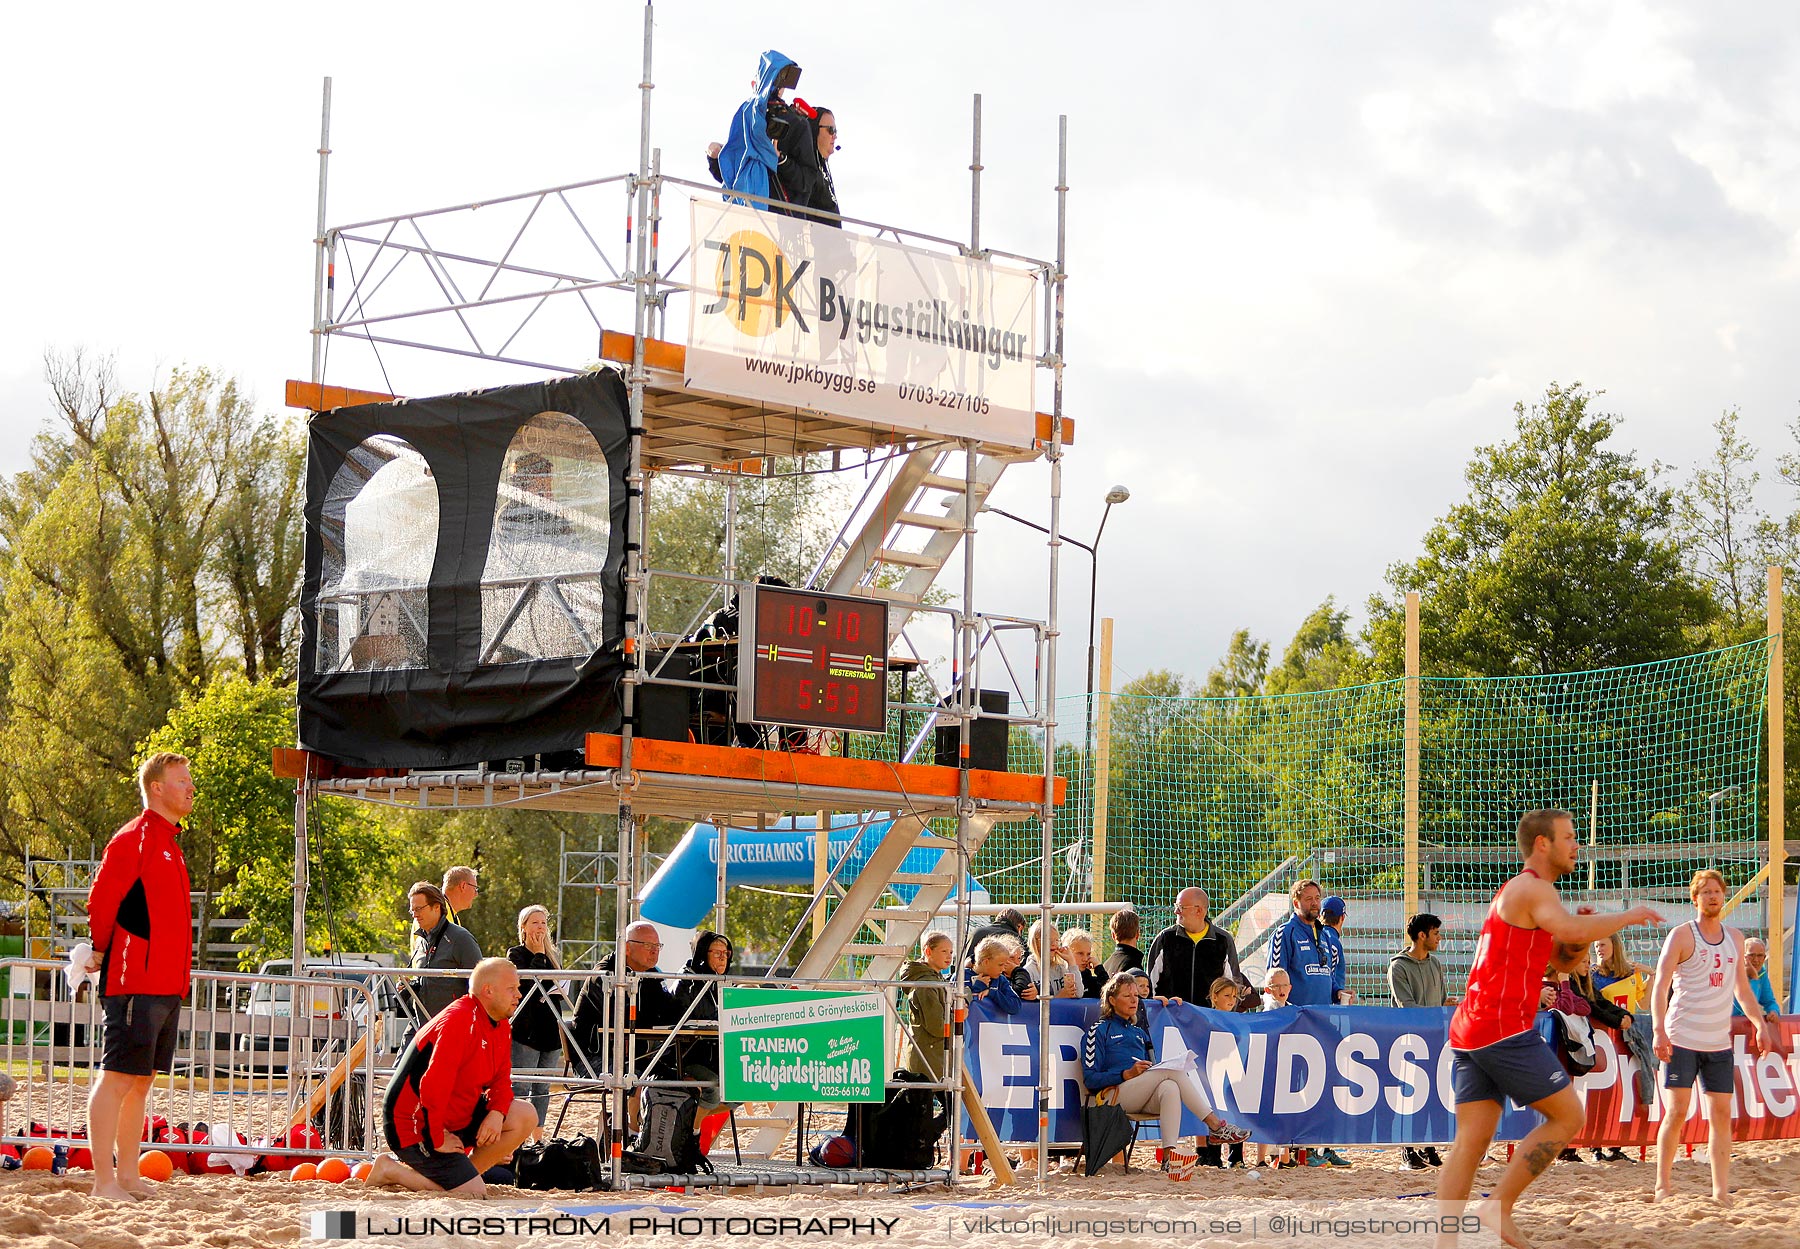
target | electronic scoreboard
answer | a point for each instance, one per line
(810, 659)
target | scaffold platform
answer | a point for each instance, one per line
(681, 779)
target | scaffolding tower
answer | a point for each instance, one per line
(925, 491)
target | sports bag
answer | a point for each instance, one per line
(669, 1131)
(572, 1164)
(901, 1133)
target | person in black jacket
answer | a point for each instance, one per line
(536, 1025)
(1008, 923)
(697, 998)
(807, 174)
(438, 942)
(1190, 954)
(656, 1007)
(1127, 931)
(1604, 1011)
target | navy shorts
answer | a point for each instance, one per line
(138, 1032)
(447, 1169)
(1712, 1066)
(1520, 1067)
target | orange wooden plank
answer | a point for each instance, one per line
(781, 768)
(615, 345)
(1043, 428)
(658, 354)
(319, 398)
(289, 763)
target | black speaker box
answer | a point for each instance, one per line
(987, 739)
(665, 712)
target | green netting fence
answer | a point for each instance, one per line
(1661, 763)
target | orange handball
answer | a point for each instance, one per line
(154, 1164)
(305, 1171)
(37, 1158)
(361, 1170)
(333, 1171)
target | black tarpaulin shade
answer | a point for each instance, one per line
(463, 587)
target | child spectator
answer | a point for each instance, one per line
(1222, 995)
(1080, 945)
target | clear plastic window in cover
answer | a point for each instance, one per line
(379, 531)
(543, 589)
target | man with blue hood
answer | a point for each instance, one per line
(749, 159)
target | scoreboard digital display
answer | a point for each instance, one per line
(816, 660)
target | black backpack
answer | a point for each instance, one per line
(901, 1133)
(570, 1165)
(669, 1131)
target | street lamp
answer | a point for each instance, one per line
(1118, 494)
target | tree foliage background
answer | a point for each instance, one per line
(150, 558)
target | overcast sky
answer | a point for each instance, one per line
(1316, 252)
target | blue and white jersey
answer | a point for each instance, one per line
(1298, 948)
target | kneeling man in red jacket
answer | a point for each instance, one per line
(450, 1113)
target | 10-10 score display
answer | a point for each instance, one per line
(817, 660)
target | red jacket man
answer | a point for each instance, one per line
(141, 921)
(142, 929)
(450, 1113)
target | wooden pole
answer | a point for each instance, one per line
(1102, 756)
(1410, 813)
(984, 1132)
(1777, 905)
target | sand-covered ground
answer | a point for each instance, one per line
(1592, 1205)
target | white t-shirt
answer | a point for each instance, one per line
(1705, 983)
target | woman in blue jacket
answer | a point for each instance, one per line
(1118, 1053)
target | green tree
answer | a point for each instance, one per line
(1721, 531)
(1562, 558)
(240, 838)
(112, 544)
(1322, 655)
(1242, 671)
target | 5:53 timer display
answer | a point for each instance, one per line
(817, 660)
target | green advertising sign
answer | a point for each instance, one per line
(801, 1045)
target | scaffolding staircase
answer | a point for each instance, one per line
(911, 530)
(870, 905)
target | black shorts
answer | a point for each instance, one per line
(1520, 1067)
(138, 1032)
(448, 1170)
(1712, 1066)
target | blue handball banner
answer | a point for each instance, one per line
(1301, 1075)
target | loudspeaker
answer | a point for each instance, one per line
(987, 739)
(665, 712)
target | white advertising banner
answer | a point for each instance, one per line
(805, 314)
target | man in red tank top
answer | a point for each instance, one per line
(1498, 1053)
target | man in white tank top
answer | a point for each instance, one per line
(1703, 962)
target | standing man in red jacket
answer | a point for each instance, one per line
(142, 926)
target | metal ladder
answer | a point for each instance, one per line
(900, 926)
(921, 501)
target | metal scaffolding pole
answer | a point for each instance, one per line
(636, 532)
(321, 259)
(321, 272)
(959, 1002)
(1054, 454)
